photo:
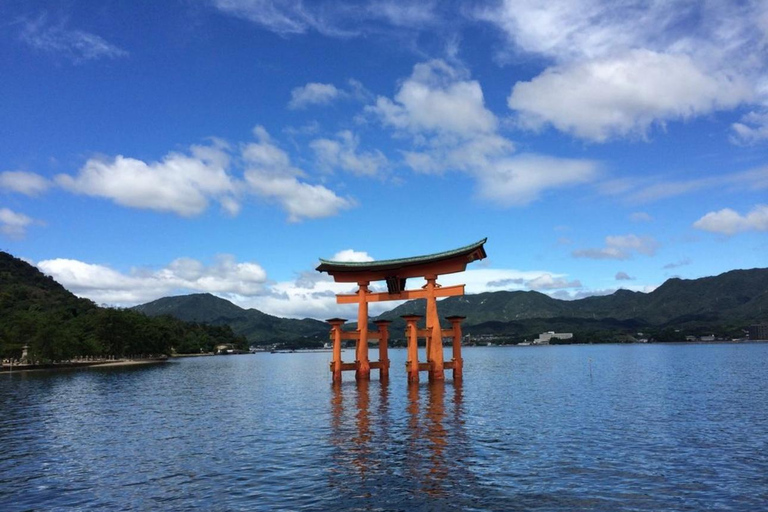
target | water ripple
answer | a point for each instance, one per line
(603, 428)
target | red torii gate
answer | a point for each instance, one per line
(395, 273)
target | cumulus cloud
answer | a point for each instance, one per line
(620, 248)
(182, 184)
(624, 95)
(730, 222)
(14, 224)
(270, 174)
(437, 98)
(27, 183)
(246, 284)
(442, 110)
(58, 38)
(185, 184)
(342, 153)
(751, 129)
(623, 276)
(350, 255)
(311, 294)
(619, 68)
(103, 284)
(313, 94)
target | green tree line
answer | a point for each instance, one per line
(59, 326)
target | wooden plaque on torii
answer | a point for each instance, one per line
(395, 273)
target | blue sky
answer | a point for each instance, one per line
(224, 146)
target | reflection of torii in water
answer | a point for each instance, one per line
(395, 273)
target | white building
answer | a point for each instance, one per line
(545, 337)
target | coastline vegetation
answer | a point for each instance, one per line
(55, 325)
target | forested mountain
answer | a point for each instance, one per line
(37, 311)
(731, 300)
(257, 327)
(723, 305)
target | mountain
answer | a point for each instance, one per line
(55, 325)
(257, 327)
(726, 303)
(735, 297)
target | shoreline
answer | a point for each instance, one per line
(6, 368)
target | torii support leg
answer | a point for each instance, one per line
(412, 333)
(435, 343)
(363, 371)
(383, 326)
(336, 324)
(458, 362)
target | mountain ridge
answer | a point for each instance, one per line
(731, 300)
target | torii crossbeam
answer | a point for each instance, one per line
(395, 273)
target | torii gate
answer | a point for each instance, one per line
(395, 273)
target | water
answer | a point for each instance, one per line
(606, 428)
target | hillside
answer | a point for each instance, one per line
(724, 304)
(38, 312)
(257, 327)
(735, 297)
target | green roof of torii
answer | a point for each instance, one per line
(391, 268)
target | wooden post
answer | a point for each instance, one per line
(435, 343)
(363, 365)
(458, 362)
(412, 333)
(383, 326)
(336, 324)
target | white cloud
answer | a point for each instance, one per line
(269, 173)
(643, 190)
(521, 179)
(27, 183)
(351, 255)
(550, 282)
(186, 184)
(311, 294)
(437, 98)
(103, 284)
(730, 222)
(480, 280)
(618, 68)
(620, 248)
(640, 217)
(58, 38)
(313, 94)
(624, 95)
(244, 283)
(442, 110)
(14, 224)
(342, 153)
(623, 276)
(182, 184)
(752, 129)
(333, 17)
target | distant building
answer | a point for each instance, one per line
(225, 348)
(758, 332)
(545, 337)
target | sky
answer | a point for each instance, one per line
(150, 149)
